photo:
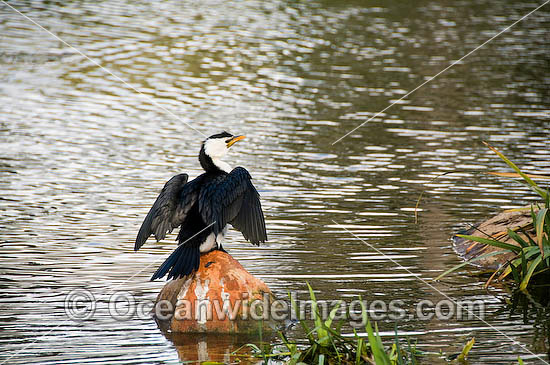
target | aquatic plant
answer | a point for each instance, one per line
(325, 344)
(531, 254)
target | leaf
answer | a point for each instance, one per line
(523, 263)
(332, 314)
(322, 333)
(513, 166)
(531, 242)
(543, 193)
(522, 209)
(530, 251)
(383, 355)
(398, 348)
(539, 227)
(514, 271)
(380, 356)
(469, 262)
(532, 267)
(412, 351)
(512, 174)
(516, 237)
(290, 346)
(466, 349)
(359, 351)
(253, 347)
(490, 242)
(510, 267)
(533, 215)
(526, 255)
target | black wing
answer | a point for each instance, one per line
(169, 210)
(232, 198)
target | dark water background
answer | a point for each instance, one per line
(82, 155)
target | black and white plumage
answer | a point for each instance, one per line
(203, 208)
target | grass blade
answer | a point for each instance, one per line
(516, 237)
(516, 169)
(332, 314)
(322, 333)
(469, 262)
(523, 264)
(489, 242)
(539, 227)
(532, 267)
(543, 193)
(531, 242)
(514, 271)
(398, 348)
(383, 357)
(514, 175)
(466, 349)
(359, 351)
(376, 346)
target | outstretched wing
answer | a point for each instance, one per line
(233, 199)
(169, 210)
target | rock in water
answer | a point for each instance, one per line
(221, 296)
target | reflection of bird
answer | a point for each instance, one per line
(203, 208)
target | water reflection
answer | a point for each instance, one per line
(212, 347)
(83, 156)
(533, 307)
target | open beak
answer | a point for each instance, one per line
(233, 140)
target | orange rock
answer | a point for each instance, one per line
(220, 297)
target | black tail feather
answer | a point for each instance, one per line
(182, 266)
(183, 261)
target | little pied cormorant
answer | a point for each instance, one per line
(203, 208)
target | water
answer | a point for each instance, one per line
(83, 156)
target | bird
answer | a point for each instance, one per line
(203, 208)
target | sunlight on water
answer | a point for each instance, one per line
(83, 156)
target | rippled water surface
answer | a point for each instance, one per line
(83, 154)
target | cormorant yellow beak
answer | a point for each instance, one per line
(233, 140)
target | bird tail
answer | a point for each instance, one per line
(183, 261)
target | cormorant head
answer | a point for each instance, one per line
(214, 148)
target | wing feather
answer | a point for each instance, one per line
(169, 210)
(232, 198)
